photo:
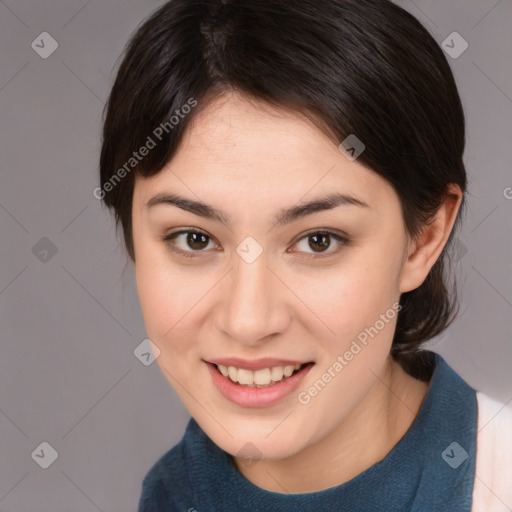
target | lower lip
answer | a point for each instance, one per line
(256, 397)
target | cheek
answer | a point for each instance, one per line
(167, 295)
(170, 305)
(351, 297)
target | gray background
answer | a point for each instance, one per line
(70, 321)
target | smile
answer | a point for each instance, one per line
(259, 378)
(261, 387)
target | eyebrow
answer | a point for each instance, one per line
(285, 216)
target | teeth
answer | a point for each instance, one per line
(232, 371)
(262, 377)
(244, 376)
(258, 378)
(288, 370)
(277, 373)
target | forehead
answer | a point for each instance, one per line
(237, 148)
(252, 131)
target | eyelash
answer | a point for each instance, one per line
(342, 240)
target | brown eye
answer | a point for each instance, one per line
(197, 241)
(187, 242)
(320, 241)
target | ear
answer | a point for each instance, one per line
(424, 251)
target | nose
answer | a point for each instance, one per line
(254, 307)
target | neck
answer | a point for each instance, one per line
(365, 438)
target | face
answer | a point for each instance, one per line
(258, 281)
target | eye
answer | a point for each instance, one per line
(320, 241)
(195, 240)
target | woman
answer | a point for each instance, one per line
(288, 177)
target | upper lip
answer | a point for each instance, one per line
(255, 364)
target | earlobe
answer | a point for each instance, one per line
(424, 251)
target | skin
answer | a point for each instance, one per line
(250, 161)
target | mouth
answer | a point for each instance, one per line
(263, 378)
(262, 387)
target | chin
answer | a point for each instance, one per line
(247, 439)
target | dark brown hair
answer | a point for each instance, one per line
(363, 67)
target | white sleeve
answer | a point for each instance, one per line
(492, 491)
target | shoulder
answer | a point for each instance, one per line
(492, 490)
(166, 482)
